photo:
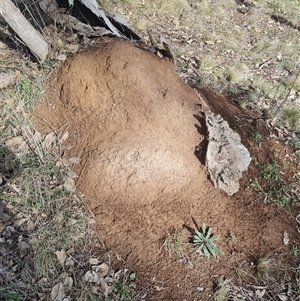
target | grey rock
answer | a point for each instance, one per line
(226, 156)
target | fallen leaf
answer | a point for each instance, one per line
(69, 262)
(105, 286)
(74, 160)
(91, 276)
(14, 141)
(42, 281)
(69, 184)
(30, 227)
(93, 261)
(71, 222)
(21, 150)
(63, 275)
(61, 257)
(49, 140)
(61, 57)
(19, 222)
(285, 238)
(22, 245)
(63, 137)
(68, 283)
(282, 297)
(59, 218)
(71, 174)
(70, 251)
(37, 137)
(73, 48)
(102, 270)
(94, 289)
(260, 293)
(5, 217)
(58, 292)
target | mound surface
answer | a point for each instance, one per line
(134, 125)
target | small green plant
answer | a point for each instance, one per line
(275, 5)
(278, 194)
(257, 137)
(292, 115)
(270, 171)
(123, 287)
(296, 145)
(254, 183)
(9, 296)
(294, 250)
(205, 241)
(28, 92)
(96, 298)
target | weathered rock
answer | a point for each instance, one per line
(226, 156)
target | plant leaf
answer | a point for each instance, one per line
(209, 230)
(214, 238)
(199, 234)
(206, 252)
(132, 276)
(203, 228)
(212, 249)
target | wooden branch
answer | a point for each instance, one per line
(35, 42)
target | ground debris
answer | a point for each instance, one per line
(6, 79)
(57, 292)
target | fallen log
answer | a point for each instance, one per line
(18, 23)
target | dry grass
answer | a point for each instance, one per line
(45, 216)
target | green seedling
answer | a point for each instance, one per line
(204, 240)
(270, 171)
(294, 250)
(292, 115)
(257, 137)
(122, 287)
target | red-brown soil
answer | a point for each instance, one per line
(135, 124)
